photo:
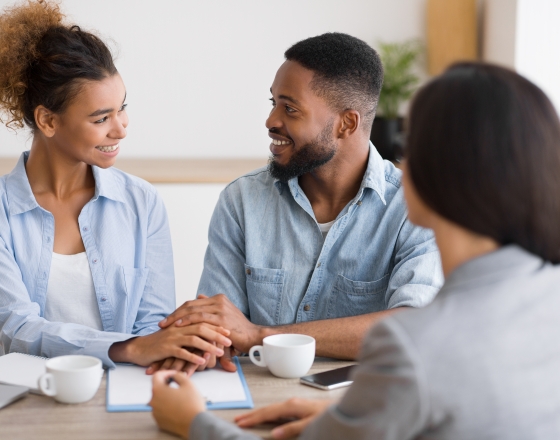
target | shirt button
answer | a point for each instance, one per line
(85, 229)
(248, 271)
(359, 203)
(103, 299)
(307, 308)
(48, 239)
(319, 264)
(95, 261)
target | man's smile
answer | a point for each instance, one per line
(279, 143)
(275, 142)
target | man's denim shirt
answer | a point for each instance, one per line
(267, 254)
(126, 235)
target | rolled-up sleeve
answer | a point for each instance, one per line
(416, 277)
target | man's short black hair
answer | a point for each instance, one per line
(348, 72)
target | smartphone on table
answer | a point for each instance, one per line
(329, 380)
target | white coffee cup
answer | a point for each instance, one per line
(71, 379)
(287, 356)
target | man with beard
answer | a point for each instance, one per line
(318, 243)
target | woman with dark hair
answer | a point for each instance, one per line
(482, 361)
(85, 250)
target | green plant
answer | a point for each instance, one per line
(400, 81)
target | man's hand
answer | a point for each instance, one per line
(302, 409)
(219, 311)
(171, 343)
(174, 408)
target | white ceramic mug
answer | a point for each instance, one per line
(71, 379)
(287, 356)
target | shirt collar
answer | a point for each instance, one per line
(374, 177)
(21, 198)
(18, 191)
(107, 185)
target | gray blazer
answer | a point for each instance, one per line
(481, 362)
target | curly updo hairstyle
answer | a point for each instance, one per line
(44, 61)
(483, 150)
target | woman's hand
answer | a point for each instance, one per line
(174, 408)
(174, 364)
(187, 367)
(171, 343)
(302, 409)
(211, 360)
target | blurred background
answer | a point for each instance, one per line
(198, 76)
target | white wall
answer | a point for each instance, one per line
(498, 36)
(525, 35)
(537, 52)
(198, 72)
(189, 208)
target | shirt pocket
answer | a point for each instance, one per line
(351, 298)
(264, 294)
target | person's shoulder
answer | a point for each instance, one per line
(129, 189)
(253, 184)
(393, 175)
(260, 176)
(388, 184)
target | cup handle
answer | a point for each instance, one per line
(46, 384)
(260, 362)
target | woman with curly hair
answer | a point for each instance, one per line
(85, 250)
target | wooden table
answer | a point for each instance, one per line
(40, 417)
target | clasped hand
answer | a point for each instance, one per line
(219, 312)
(172, 342)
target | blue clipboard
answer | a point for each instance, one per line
(242, 404)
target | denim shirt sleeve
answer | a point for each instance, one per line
(416, 277)
(224, 262)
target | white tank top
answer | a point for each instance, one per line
(70, 293)
(325, 227)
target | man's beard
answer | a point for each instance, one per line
(308, 158)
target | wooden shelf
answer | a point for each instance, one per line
(178, 170)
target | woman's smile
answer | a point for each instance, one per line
(108, 149)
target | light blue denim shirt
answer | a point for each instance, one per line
(126, 235)
(267, 254)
